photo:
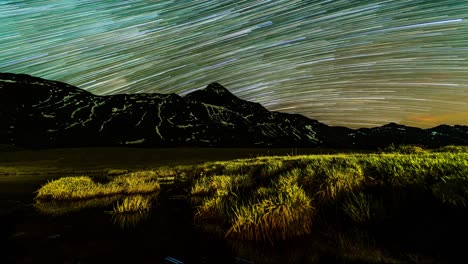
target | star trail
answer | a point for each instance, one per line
(343, 62)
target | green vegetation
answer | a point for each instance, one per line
(278, 198)
(83, 187)
(130, 193)
(132, 204)
(281, 213)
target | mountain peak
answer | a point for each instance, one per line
(393, 125)
(217, 88)
(213, 93)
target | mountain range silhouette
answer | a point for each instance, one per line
(39, 113)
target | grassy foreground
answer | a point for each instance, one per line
(282, 197)
(277, 198)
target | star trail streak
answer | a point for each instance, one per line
(352, 63)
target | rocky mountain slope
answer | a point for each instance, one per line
(35, 112)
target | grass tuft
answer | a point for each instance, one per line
(133, 204)
(280, 216)
(83, 187)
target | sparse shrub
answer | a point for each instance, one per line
(132, 204)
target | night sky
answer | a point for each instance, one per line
(350, 63)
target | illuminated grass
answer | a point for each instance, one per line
(218, 195)
(83, 187)
(282, 215)
(132, 204)
(280, 212)
(278, 198)
(333, 176)
(282, 197)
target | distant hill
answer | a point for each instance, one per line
(35, 112)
